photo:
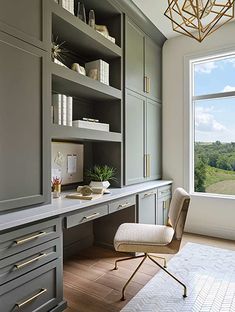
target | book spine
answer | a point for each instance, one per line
(64, 110)
(57, 107)
(69, 111)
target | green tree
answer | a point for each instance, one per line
(199, 174)
(223, 163)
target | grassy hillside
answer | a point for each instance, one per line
(220, 181)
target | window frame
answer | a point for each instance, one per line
(189, 113)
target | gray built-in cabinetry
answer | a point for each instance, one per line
(153, 205)
(91, 98)
(23, 107)
(142, 106)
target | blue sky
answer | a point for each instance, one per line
(215, 119)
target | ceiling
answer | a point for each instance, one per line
(154, 10)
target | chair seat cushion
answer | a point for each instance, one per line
(131, 237)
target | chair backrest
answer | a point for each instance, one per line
(178, 211)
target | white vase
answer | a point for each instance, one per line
(103, 184)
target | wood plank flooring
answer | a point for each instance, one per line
(91, 284)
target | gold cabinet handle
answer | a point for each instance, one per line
(92, 216)
(145, 83)
(149, 194)
(23, 303)
(148, 161)
(25, 240)
(148, 87)
(124, 205)
(21, 265)
(164, 205)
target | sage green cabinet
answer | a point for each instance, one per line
(134, 138)
(153, 69)
(134, 57)
(153, 114)
(23, 94)
(143, 63)
(142, 139)
(23, 19)
(163, 204)
(147, 203)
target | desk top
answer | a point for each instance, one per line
(64, 206)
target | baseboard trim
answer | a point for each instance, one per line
(212, 230)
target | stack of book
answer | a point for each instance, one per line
(98, 70)
(67, 5)
(62, 109)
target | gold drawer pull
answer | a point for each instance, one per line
(25, 240)
(124, 205)
(21, 265)
(92, 216)
(149, 194)
(21, 304)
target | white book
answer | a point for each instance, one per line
(69, 111)
(57, 108)
(64, 110)
(91, 67)
(91, 125)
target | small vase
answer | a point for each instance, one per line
(81, 12)
(56, 190)
(91, 21)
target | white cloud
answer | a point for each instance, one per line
(228, 89)
(231, 61)
(205, 68)
(206, 122)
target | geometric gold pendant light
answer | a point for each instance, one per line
(199, 18)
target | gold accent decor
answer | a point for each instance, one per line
(25, 240)
(21, 265)
(23, 303)
(199, 18)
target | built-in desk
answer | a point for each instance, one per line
(31, 242)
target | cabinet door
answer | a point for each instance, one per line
(153, 69)
(134, 138)
(153, 140)
(147, 207)
(162, 210)
(22, 19)
(21, 109)
(134, 57)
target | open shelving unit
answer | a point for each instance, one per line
(91, 98)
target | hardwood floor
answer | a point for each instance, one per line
(91, 284)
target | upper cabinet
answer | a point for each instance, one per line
(23, 19)
(23, 147)
(143, 63)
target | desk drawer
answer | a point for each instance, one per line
(164, 191)
(28, 260)
(29, 236)
(86, 215)
(39, 290)
(122, 203)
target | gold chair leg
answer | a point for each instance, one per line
(162, 258)
(185, 288)
(124, 259)
(136, 270)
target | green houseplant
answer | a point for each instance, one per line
(101, 175)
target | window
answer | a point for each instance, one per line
(213, 124)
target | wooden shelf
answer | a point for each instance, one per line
(59, 132)
(69, 82)
(85, 40)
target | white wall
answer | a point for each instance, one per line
(209, 216)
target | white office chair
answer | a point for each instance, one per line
(160, 239)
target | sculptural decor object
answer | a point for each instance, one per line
(81, 12)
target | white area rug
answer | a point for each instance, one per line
(209, 274)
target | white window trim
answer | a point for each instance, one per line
(189, 115)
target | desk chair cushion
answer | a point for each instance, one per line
(133, 237)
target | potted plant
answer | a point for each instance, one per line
(101, 175)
